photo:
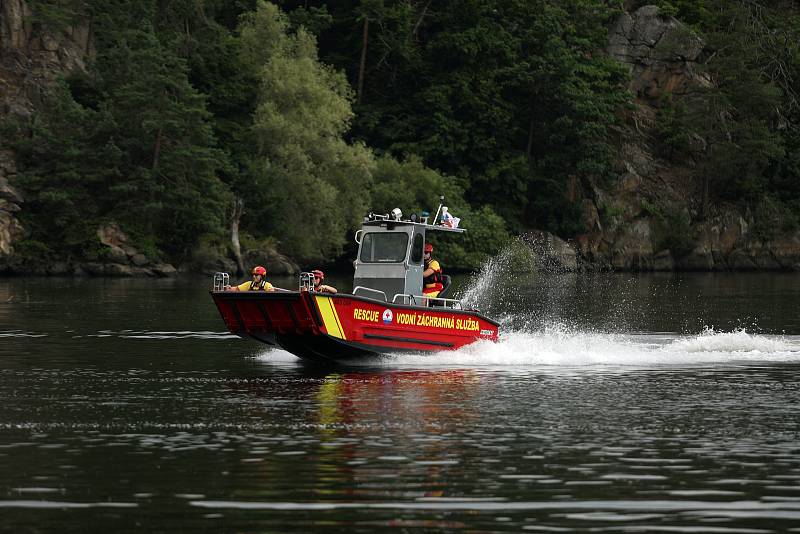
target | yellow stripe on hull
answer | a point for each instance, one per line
(329, 317)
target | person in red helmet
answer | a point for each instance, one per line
(319, 277)
(431, 276)
(256, 284)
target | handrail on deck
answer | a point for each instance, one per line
(362, 288)
(221, 281)
(408, 298)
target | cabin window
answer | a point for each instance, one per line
(416, 250)
(384, 247)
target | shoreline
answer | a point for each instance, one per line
(181, 273)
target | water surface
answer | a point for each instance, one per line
(612, 403)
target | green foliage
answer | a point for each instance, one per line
(68, 162)
(411, 186)
(772, 217)
(313, 19)
(735, 118)
(133, 145)
(209, 248)
(550, 208)
(308, 176)
(169, 187)
(510, 97)
(651, 209)
(56, 14)
(500, 105)
(250, 242)
(609, 212)
(34, 250)
(696, 13)
(486, 235)
(671, 130)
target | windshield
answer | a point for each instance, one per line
(384, 247)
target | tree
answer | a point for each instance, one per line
(503, 95)
(736, 117)
(310, 181)
(131, 142)
(68, 164)
(169, 189)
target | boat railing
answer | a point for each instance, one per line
(369, 289)
(221, 281)
(406, 298)
(306, 281)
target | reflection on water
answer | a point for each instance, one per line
(127, 408)
(422, 396)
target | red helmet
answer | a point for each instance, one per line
(258, 269)
(428, 247)
(318, 274)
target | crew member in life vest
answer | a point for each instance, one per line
(319, 287)
(256, 284)
(432, 275)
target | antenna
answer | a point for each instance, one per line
(441, 203)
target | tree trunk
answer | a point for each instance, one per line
(419, 20)
(362, 66)
(236, 216)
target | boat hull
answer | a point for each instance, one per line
(324, 327)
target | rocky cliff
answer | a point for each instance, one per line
(32, 58)
(646, 220)
(649, 218)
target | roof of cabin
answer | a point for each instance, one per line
(391, 225)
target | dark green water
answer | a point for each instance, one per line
(125, 407)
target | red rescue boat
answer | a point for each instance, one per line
(333, 327)
(330, 327)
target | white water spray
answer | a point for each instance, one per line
(566, 347)
(542, 337)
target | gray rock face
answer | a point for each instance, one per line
(274, 262)
(10, 231)
(647, 218)
(164, 270)
(633, 249)
(215, 265)
(660, 52)
(10, 228)
(139, 260)
(31, 60)
(117, 241)
(123, 259)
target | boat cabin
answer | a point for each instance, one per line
(390, 259)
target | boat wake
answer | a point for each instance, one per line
(559, 346)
